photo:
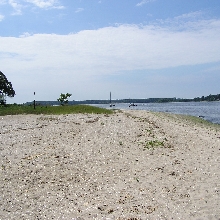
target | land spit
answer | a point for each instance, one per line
(128, 165)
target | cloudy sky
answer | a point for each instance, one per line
(133, 48)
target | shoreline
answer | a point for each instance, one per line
(197, 110)
(131, 164)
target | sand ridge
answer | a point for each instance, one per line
(129, 165)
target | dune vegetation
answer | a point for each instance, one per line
(54, 110)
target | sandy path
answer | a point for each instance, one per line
(129, 165)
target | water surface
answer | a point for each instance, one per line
(210, 111)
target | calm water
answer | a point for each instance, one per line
(209, 110)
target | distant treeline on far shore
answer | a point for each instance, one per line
(149, 100)
(208, 98)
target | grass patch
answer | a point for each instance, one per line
(193, 120)
(196, 120)
(52, 110)
(153, 144)
(188, 119)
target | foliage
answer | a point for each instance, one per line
(64, 98)
(153, 144)
(52, 110)
(208, 98)
(6, 89)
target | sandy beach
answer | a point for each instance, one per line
(127, 166)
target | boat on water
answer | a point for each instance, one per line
(132, 104)
(111, 105)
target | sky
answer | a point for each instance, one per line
(89, 48)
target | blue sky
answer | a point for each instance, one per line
(133, 48)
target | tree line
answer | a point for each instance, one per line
(207, 98)
(149, 100)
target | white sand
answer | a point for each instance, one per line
(84, 166)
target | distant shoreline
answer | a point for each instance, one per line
(128, 101)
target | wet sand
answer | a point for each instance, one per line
(129, 165)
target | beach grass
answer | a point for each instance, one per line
(53, 110)
(193, 120)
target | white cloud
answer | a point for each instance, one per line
(184, 19)
(16, 6)
(50, 61)
(26, 34)
(2, 17)
(120, 48)
(79, 10)
(2, 2)
(191, 15)
(46, 3)
(143, 2)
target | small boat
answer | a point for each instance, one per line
(111, 105)
(132, 104)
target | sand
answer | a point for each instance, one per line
(129, 165)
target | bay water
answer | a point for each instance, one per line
(209, 111)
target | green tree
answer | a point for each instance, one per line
(197, 99)
(211, 97)
(6, 89)
(64, 98)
